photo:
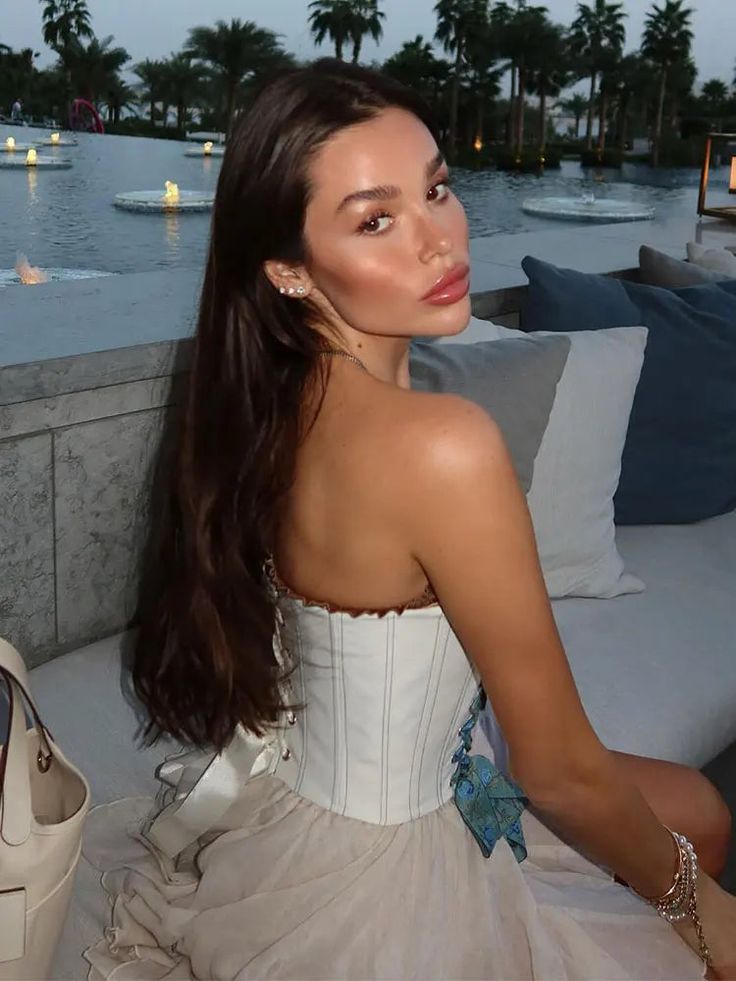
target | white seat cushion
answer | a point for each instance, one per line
(657, 670)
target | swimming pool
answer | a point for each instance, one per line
(66, 218)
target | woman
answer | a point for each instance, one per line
(376, 844)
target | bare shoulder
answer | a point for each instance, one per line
(449, 460)
(444, 441)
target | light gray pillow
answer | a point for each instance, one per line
(577, 468)
(721, 261)
(514, 380)
(659, 269)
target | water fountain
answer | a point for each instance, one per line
(56, 139)
(208, 149)
(17, 161)
(12, 146)
(587, 208)
(27, 275)
(172, 199)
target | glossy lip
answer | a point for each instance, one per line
(452, 276)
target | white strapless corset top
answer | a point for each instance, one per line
(384, 696)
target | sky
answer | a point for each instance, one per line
(157, 28)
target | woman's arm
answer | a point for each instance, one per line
(472, 534)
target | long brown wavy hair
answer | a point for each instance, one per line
(202, 659)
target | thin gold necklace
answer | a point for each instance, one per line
(344, 354)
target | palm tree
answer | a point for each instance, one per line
(550, 71)
(119, 96)
(65, 20)
(680, 84)
(17, 74)
(630, 87)
(417, 66)
(236, 52)
(94, 68)
(714, 98)
(501, 15)
(151, 87)
(457, 22)
(576, 106)
(608, 68)
(333, 19)
(183, 82)
(483, 76)
(597, 27)
(366, 20)
(666, 42)
(522, 34)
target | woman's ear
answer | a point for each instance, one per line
(291, 281)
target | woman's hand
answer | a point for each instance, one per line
(717, 912)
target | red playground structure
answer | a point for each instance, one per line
(83, 117)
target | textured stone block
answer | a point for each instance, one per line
(77, 373)
(103, 474)
(26, 546)
(67, 410)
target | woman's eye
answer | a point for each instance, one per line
(376, 224)
(439, 191)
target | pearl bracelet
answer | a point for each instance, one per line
(680, 900)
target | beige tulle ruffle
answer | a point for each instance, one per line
(294, 891)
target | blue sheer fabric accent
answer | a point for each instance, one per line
(489, 803)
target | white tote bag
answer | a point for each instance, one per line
(43, 803)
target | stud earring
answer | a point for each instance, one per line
(300, 290)
(290, 291)
(282, 289)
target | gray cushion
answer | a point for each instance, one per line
(514, 380)
(659, 269)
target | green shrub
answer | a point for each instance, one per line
(529, 161)
(567, 149)
(473, 159)
(608, 157)
(133, 126)
(675, 152)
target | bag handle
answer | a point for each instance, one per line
(15, 787)
(12, 664)
(11, 660)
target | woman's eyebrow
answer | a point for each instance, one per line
(385, 192)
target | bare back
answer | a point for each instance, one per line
(341, 537)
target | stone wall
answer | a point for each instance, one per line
(78, 437)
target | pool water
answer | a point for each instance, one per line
(66, 218)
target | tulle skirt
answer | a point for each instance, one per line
(294, 891)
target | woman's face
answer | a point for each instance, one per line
(383, 231)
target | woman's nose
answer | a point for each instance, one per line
(433, 239)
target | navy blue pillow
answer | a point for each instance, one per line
(679, 461)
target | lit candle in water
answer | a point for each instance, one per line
(31, 158)
(208, 147)
(10, 143)
(29, 275)
(55, 137)
(172, 191)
